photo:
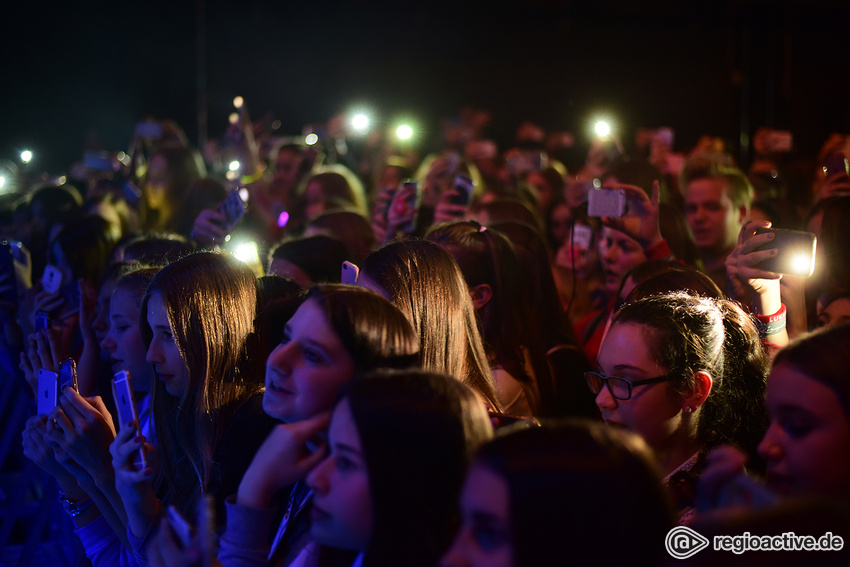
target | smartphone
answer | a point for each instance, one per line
(132, 194)
(384, 200)
(181, 528)
(48, 391)
(7, 266)
(463, 190)
(349, 273)
(149, 130)
(68, 375)
(409, 203)
(606, 203)
(836, 163)
(42, 320)
(51, 280)
(234, 209)
(779, 141)
(796, 255)
(582, 236)
(97, 160)
(122, 391)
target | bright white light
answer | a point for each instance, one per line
(602, 129)
(311, 139)
(238, 102)
(26, 156)
(244, 194)
(802, 264)
(404, 132)
(61, 180)
(233, 118)
(234, 165)
(2, 181)
(360, 122)
(247, 252)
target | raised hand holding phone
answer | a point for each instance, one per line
(640, 217)
(128, 417)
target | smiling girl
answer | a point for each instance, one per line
(338, 333)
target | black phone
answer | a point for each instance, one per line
(836, 163)
(463, 187)
(796, 255)
(234, 209)
(7, 266)
(42, 320)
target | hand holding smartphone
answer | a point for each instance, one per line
(796, 252)
(463, 187)
(68, 375)
(122, 391)
(233, 209)
(606, 202)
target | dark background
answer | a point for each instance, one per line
(715, 67)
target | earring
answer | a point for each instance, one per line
(688, 409)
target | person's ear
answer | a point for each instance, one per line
(702, 388)
(481, 295)
(743, 214)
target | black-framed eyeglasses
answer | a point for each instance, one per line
(619, 388)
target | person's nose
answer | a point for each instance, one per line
(770, 448)
(154, 354)
(612, 252)
(318, 477)
(108, 343)
(281, 358)
(604, 399)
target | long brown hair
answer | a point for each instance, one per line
(426, 284)
(211, 303)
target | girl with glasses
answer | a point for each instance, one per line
(680, 371)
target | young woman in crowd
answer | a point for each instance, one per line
(572, 494)
(198, 322)
(516, 354)
(83, 428)
(309, 260)
(806, 444)
(399, 447)
(339, 332)
(566, 393)
(171, 171)
(425, 283)
(626, 243)
(670, 371)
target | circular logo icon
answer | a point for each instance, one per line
(683, 542)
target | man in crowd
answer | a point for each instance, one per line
(717, 205)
